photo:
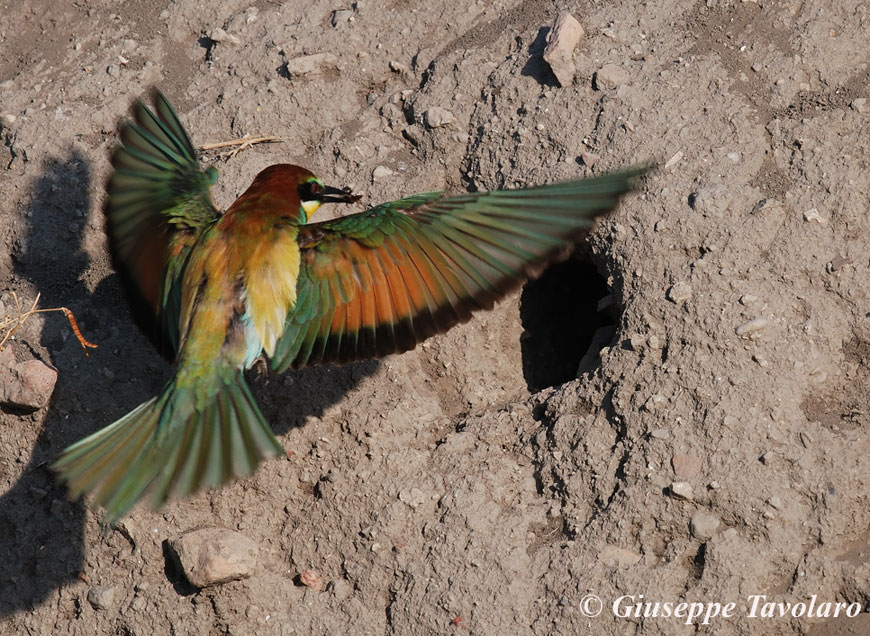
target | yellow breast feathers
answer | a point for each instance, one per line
(270, 282)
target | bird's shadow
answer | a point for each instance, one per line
(41, 531)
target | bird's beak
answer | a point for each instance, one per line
(334, 195)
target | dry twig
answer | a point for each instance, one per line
(9, 324)
(238, 145)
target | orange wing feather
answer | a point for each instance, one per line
(379, 282)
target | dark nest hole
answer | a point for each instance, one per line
(562, 323)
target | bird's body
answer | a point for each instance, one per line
(258, 279)
(244, 269)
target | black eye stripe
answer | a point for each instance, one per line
(310, 191)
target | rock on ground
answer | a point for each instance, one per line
(211, 556)
(24, 386)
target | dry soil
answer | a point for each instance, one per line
(711, 445)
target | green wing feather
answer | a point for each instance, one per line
(380, 282)
(159, 201)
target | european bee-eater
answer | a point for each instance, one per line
(259, 279)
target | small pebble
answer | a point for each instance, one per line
(219, 35)
(309, 64)
(130, 530)
(340, 17)
(398, 67)
(806, 439)
(436, 117)
(711, 200)
(610, 76)
(413, 497)
(679, 292)
(589, 158)
(775, 502)
(312, 579)
(703, 525)
(615, 557)
(660, 433)
(812, 215)
(653, 402)
(101, 598)
(682, 490)
(381, 172)
(670, 163)
(859, 105)
(838, 263)
(752, 327)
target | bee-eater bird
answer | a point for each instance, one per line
(259, 279)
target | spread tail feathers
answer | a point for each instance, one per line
(173, 444)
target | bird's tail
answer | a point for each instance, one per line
(174, 444)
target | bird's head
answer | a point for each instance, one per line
(295, 184)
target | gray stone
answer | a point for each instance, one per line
(101, 598)
(610, 76)
(679, 292)
(682, 490)
(436, 117)
(219, 35)
(703, 525)
(310, 64)
(212, 556)
(413, 497)
(340, 17)
(588, 158)
(380, 173)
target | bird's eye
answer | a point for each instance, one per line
(310, 191)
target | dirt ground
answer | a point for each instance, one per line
(713, 446)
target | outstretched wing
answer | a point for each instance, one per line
(159, 199)
(379, 282)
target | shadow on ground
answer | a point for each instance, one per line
(536, 67)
